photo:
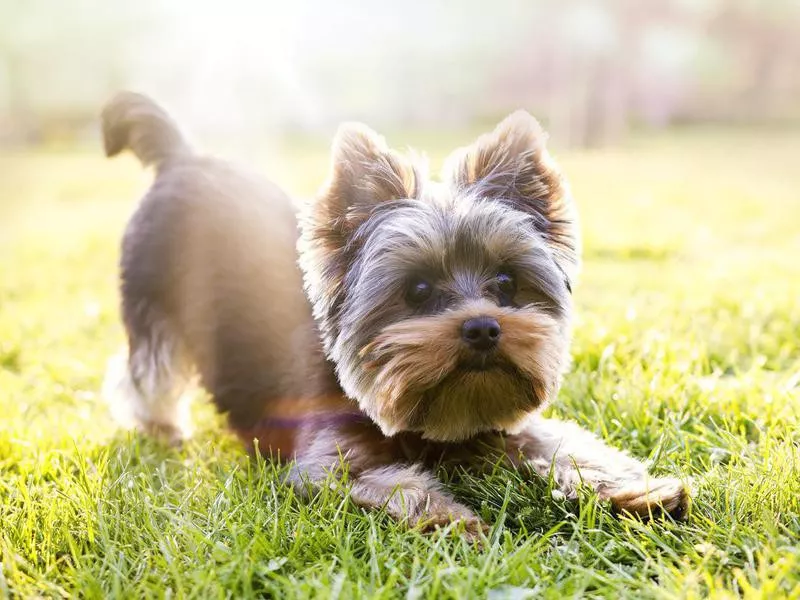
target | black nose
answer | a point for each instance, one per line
(481, 333)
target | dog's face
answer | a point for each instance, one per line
(444, 306)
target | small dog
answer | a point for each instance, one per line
(438, 324)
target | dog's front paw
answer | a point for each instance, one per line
(652, 497)
(440, 511)
(415, 498)
(467, 524)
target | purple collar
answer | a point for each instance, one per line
(319, 420)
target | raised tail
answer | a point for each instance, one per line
(134, 122)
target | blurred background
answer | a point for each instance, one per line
(251, 70)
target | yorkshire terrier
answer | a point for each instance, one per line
(438, 324)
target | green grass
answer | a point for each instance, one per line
(686, 354)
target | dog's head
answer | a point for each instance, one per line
(445, 306)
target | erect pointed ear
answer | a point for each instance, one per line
(511, 164)
(364, 174)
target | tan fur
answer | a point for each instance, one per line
(513, 161)
(652, 497)
(416, 359)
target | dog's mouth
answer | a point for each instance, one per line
(495, 367)
(485, 361)
(481, 393)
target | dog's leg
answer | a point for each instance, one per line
(411, 494)
(408, 492)
(147, 388)
(574, 456)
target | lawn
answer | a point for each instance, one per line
(685, 354)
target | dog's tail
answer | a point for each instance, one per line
(134, 122)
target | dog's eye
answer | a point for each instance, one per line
(418, 291)
(506, 283)
(506, 286)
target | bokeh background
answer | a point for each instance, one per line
(592, 70)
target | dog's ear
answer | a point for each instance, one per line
(511, 164)
(364, 174)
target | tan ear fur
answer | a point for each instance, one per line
(364, 173)
(512, 164)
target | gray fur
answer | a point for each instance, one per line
(209, 266)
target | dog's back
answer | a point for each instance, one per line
(209, 279)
